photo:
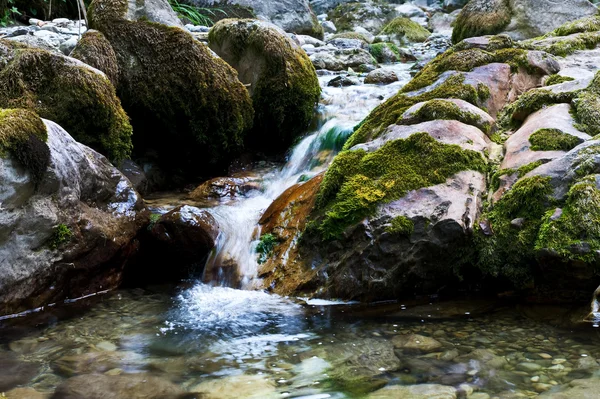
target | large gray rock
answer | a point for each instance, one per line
(341, 60)
(294, 16)
(153, 10)
(64, 237)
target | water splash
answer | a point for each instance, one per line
(594, 316)
(233, 263)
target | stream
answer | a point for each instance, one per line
(221, 342)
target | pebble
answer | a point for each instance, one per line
(106, 346)
(545, 356)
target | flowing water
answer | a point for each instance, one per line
(218, 342)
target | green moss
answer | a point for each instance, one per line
(265, 247)
(96, 51)
(553, 140)
(587, 110)
(391, 111)
(521, 172)
(23, 135)
(378, 51)
(62, 234)
(509, 252)
(466, 61)
(350, 35)
(402, 226)
(348, 15)
(480, 18)
(358, 181)
(528, 103)
(570, 44)
(187, 106)
(557, 79)
(575, 234)
(447, 110)
(72, 95)
(287, 90)
(406, 28)
(588, 24)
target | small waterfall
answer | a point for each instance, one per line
(233, 263)
(594, 316)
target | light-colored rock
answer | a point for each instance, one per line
(416, 342)
(381, 76)
(424, 391)
(235, 387)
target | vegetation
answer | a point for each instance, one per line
(557, 79)
(350, 35)
(553, 140)
(358, 181)
(447, 110)
(402, 226)
(62, 234)
(196, 15)
(379, 50)
(528, 103)
(406, 28)
(265, 247)
(521, 172)
(96, 51)
(23, 135)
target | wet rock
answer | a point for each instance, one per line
(381, 76)
(136, 176)
(415, 342)
(580, 389)
(341, 60)
(15, 372)
(485, 358)
(343, 81)
(424, 391)
(369, 15)
(345, 43)
(276, 71)
(329, 27)
(226, 187)
(234, 387)
(26, 393)
(133, 386)
(96, 362)
(79, 222)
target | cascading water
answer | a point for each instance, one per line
(234, 262)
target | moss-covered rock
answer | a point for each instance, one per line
(187, 106)
(528, 103)
(386, 53)
(23, 136)
(68, 92)
(557, 79)
(481, 17)
(587, 108)
(406, 29)
(553, 140)
(281, 79)
(96, 51)
(358, 181)
(369, 15)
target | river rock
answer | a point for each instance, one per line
(76, 217)
(370, 15)
(381, 76)
(415, 342)
(132, 386)
(294, 16)
(190, 109)
(226, 187)
(234, 387)
(26, 393)
(159, 11)
(96, 362)
(340, 60)
(15, 372)
(580, 389)
(424, 391)
(279, 75)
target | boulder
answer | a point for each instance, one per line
(581, 389)
(521, 19)
(26, 393)
(225, 187)
(341, 60)
(188, 106)
(381, 76)
(133, 386)
(68, 216)
(234, 387)
(281, 79)
(370, 15)
(66, 91)
(94, 50)
(387, 53)
(293, 16)
(415, 342)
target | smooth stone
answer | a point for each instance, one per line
(528, 367)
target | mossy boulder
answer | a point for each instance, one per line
(279, 75)
(66, 91)
(187, 106)
(95, 50)
(405, 30)
(385, 53)
(23, 136)
(481, 17)
(370, 15)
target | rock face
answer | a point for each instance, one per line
(521, 19)
(181, 238)
(65, 233)
(293, 16)
(67, 91)
(280, 77)
(159, 11)
(187, 105)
